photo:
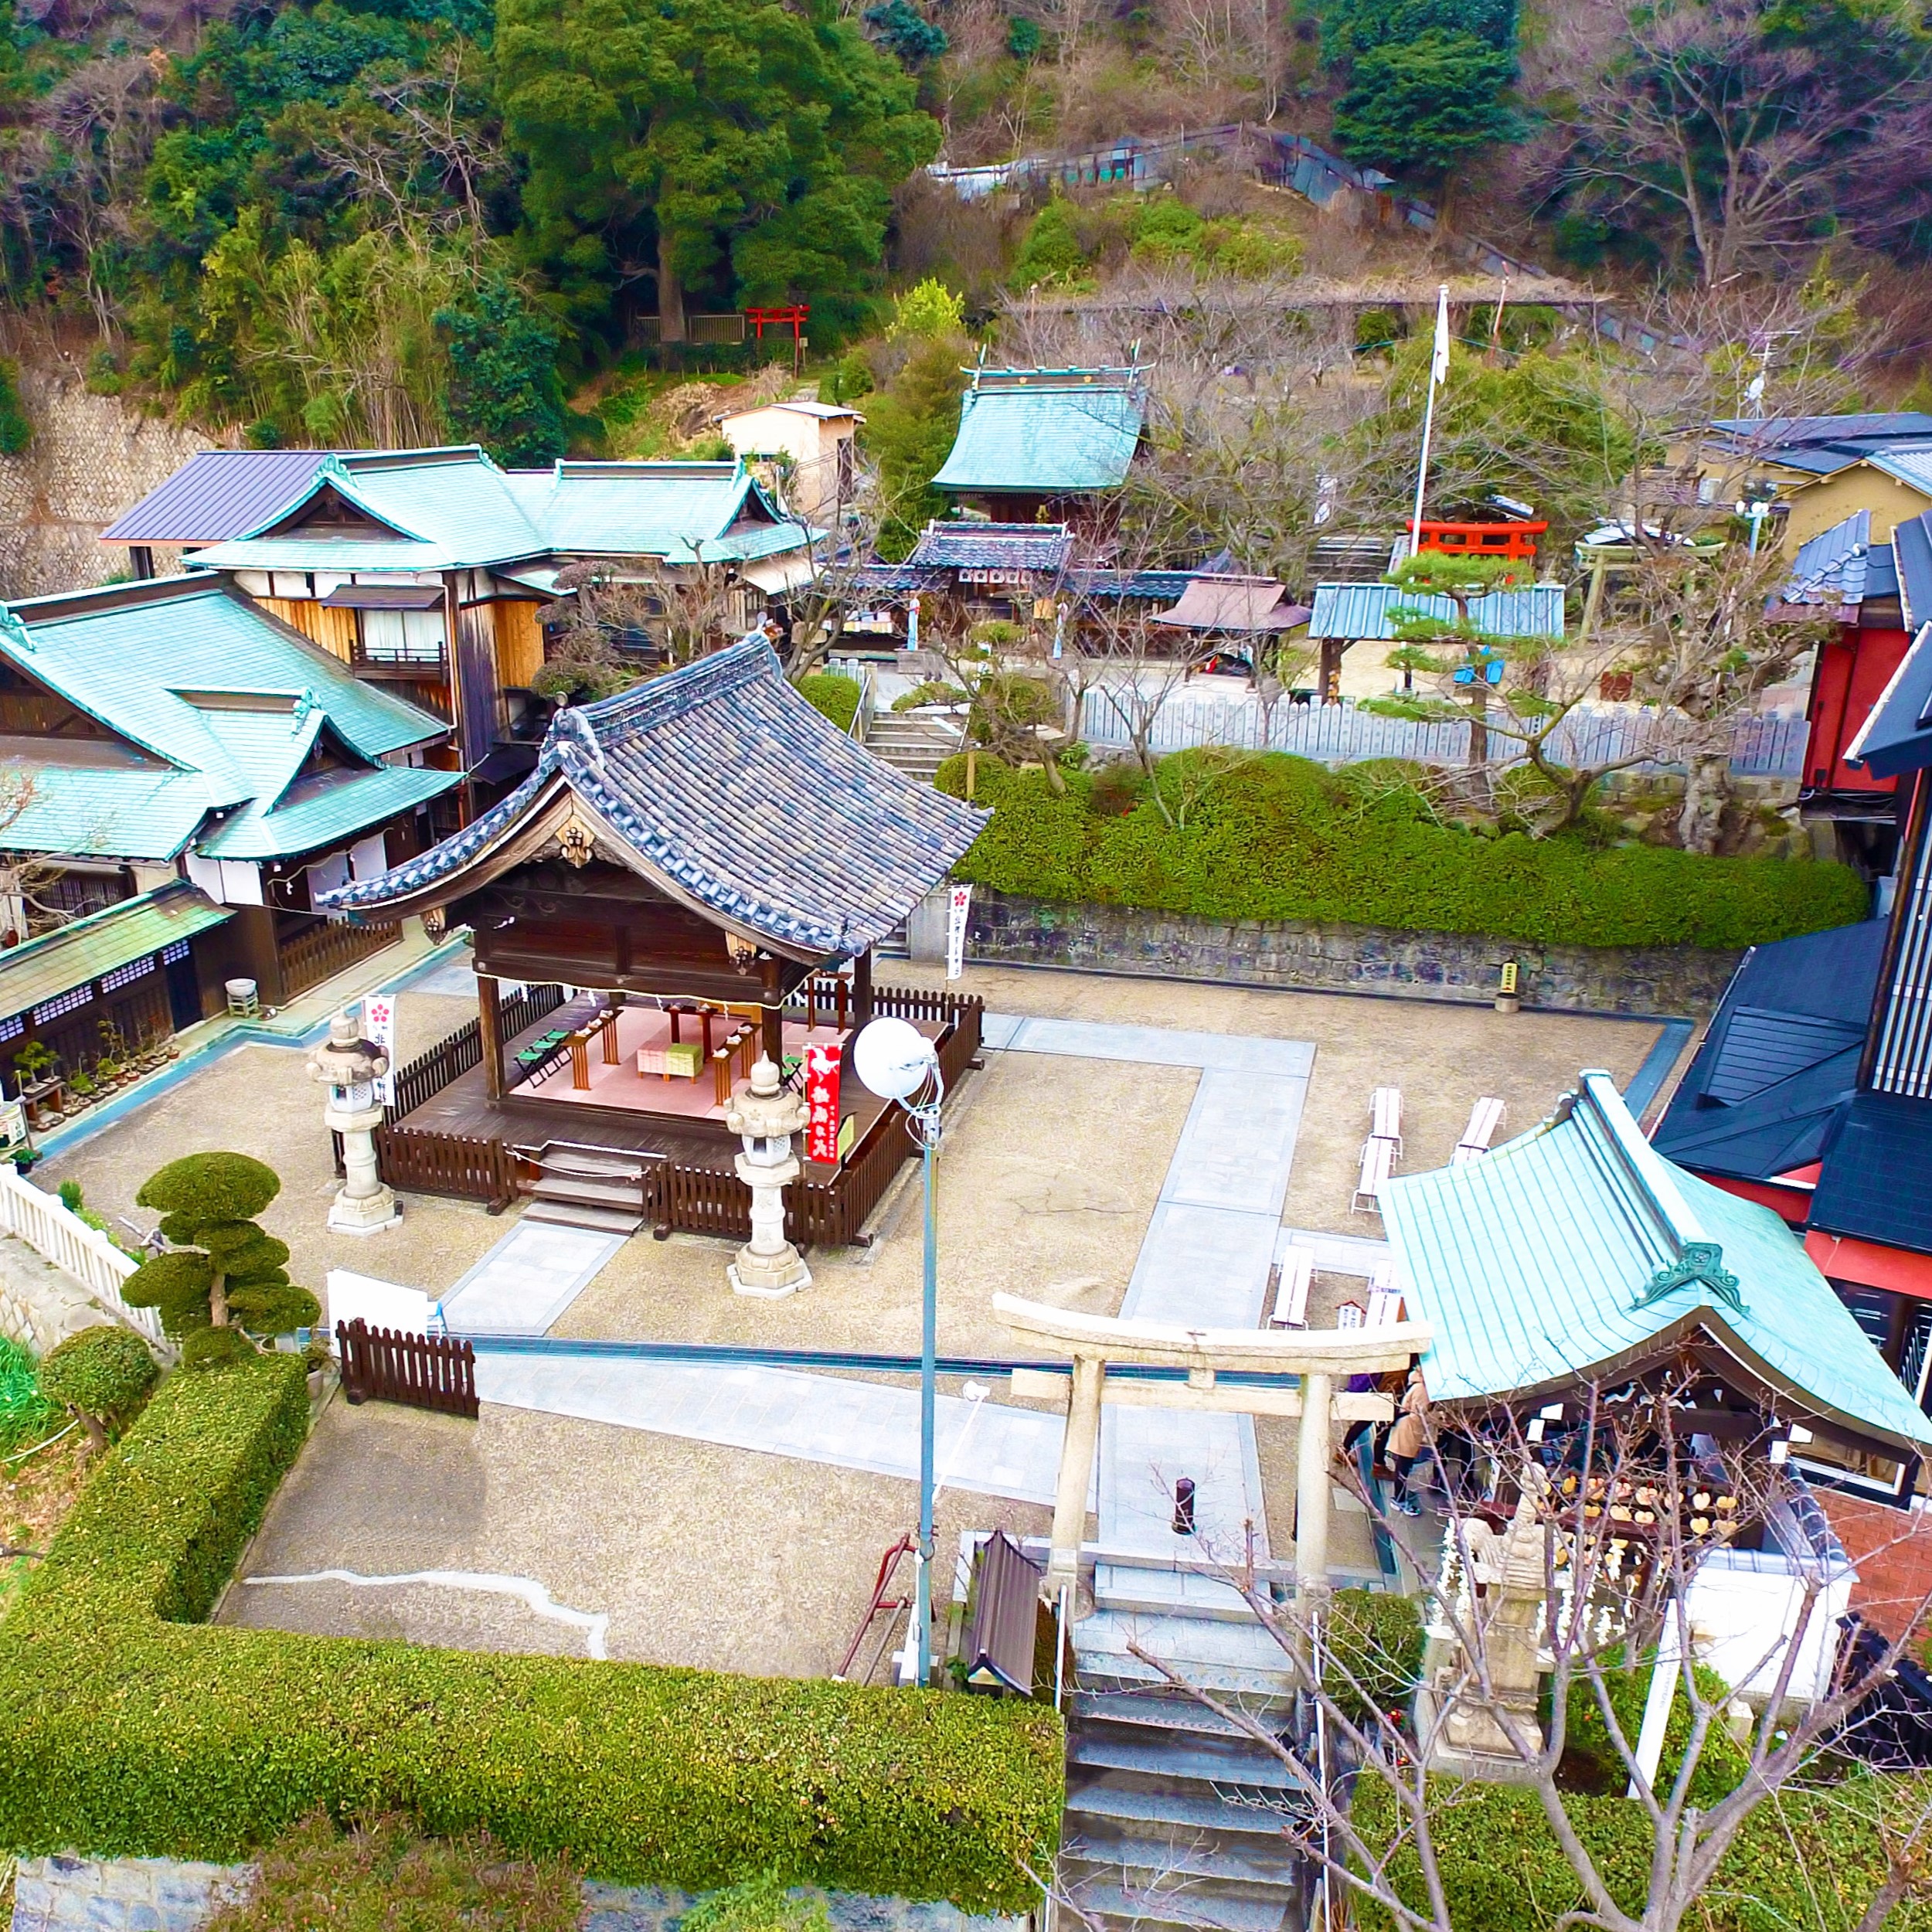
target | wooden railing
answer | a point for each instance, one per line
(472, 1169)
(425, 1371)
(456, 1053)
(47, 1226)
(328, 949)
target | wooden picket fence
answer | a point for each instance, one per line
(473, 1169)
(423, 1371)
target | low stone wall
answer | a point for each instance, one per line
(69, 1894)
(1360, 959)
(40, 1306)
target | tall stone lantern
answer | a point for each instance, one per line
(349, 1066)
(766, 1117)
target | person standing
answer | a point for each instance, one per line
(1408, 1443)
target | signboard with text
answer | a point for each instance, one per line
(379, 1028)
(821, 1102)
(958, 903)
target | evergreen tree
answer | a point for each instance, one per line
(223, 1278)
(503, 390)
(909, 430)
(1419, 106)
(751, 148)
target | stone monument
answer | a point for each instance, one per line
(766, 1117)
(349, 1066)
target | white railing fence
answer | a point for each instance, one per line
(54, 1232)
(1763, 747)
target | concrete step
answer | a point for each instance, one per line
(1112, 1848)
(1126, 1804)
(571, 1214)
(1196, 1906)
(1146, 1592)
(1153, 1712)
(1217, 1761)
(617, 1192)
(1202, 1650)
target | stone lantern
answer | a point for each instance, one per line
(349, 1066)
(766, 1117)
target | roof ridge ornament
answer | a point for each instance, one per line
(571, 730)
(1702, 1262)
(15, 633)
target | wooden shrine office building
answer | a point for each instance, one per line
(696, 859)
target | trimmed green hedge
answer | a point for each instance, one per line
(834, 694)
(127, 1727)
(1283, 838)
(1806, 1861)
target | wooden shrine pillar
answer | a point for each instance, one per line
(862, 989)
(771, 1004)
(489, 1026)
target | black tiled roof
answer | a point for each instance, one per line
(1779, 1062)
(993, 546)
(1877, 1182)
(732, 792)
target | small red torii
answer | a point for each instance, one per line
(791, 316)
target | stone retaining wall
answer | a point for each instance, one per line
(1361, 959)
(71, 1894)
(39, 1305)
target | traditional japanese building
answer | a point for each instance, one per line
(707, 864)
(1035, 444)
(1812, 1091)
(1345, 614)
(174, 728)
(426, 570)
(1876, 593)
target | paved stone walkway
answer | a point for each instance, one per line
(528, 1280)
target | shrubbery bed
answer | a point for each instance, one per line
(127, 1727)
(1282, 838)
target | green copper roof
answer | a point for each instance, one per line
(328, 809)
(82, 950)
(1576, 1249)
(453, 509)
(213, 703)
(1048, 430)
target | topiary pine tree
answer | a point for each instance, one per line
(224, 1278)
(98, 1375)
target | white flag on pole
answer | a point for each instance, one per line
(1439, 364)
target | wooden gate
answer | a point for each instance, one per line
(424, 1371)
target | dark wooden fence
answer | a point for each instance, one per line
(456, 1053)
(425, 1371)
(475, 1170)
(326, 950)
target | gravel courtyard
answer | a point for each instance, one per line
(705, 1555)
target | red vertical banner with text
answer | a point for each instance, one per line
(821, 1103)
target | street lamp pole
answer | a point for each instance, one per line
(895, 1061)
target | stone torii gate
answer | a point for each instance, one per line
(1317, 1356)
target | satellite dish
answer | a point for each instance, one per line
(893, 1058)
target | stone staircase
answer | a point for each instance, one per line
(579, 1188)
(1175, 1816)
(918, 745)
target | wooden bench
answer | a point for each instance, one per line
(1002, 1620)
(1485, 1118)
(1292, 1298)
(1378, 1159)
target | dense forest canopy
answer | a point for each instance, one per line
(398, 221)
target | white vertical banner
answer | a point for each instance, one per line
(379, 1028)
(958, 901)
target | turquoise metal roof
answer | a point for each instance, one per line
(1048, 430)
(1361, 611)
(215, 705)
(1575, 1250)
(454, 510)
(148, 810)
(328, 809)
(84, 949)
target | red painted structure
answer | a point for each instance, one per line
(791, 315)
(1853, 670)
(1480, 539)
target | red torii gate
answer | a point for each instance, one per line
(786, 315)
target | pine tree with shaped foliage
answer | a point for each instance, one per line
(224, 1280)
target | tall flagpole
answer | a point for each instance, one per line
(1438, 369)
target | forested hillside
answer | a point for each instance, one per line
(399, 221)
